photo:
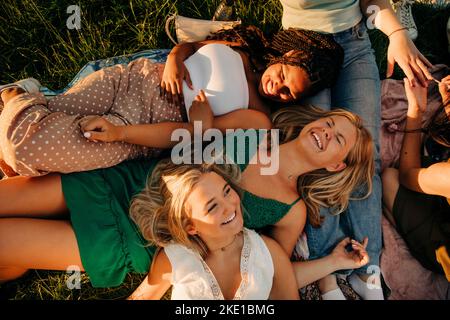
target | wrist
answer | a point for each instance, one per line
(398, 32)
(333, 262)
(121, 133)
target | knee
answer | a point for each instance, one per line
(11, 273)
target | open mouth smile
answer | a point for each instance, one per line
(317, 140)
(230, 219)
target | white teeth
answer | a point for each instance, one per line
(231, 218)
(319, 143)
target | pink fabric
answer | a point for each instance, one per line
(393, 114)
(404, 275)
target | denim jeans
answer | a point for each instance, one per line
(358, 90)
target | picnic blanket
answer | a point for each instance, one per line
(404, 276)
(156, 55)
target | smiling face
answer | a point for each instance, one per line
(215, 209)
(326, 142)
(284, 83)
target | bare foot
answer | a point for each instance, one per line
(10, 93)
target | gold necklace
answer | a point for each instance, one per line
(226, 246)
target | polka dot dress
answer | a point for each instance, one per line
(37, 137)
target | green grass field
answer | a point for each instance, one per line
(34, 41)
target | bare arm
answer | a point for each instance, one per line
(284, 284)
(175, 71)
(242, 119)
(287, 231)
(307, 272)
(434, 179)
(157, 282)
(158, 135)
(401, 49)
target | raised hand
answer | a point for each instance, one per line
(354, 259)
(402, 50)
(417, 97)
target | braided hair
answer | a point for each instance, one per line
(318, 54)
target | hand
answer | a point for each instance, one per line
(444, 89)
(171, 85)
(100, 129)
(201, 111)
(403, 51)
(417, 97)
(354, 259)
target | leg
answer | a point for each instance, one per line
(390, 188)
(329, 288)
(32, 197)
(36, 244)
(35, 141)
(92, 95)
(321, 100)
(358, 89)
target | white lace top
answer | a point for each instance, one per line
(193, 280)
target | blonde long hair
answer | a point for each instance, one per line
(160, 211)
(321, 188)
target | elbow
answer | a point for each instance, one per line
(262, 121)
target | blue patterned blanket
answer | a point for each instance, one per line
(157, 55)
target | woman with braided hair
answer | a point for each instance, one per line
(127, 112)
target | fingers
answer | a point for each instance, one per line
(425, 61)
(201, 97)
(424, 68)
(188, 80)
(172, 93)
(408, 73)
(390, 65)
(446, 79)
(360, 250)
(95, 136)
(93, 124)
(407, 84)
(419, 75)
(344, 242)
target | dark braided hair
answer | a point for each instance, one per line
(251, 40)
(318, 54)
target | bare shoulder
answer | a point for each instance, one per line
(297, 213)
(273, 246)
(161, 262)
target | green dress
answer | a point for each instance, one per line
(110, 243)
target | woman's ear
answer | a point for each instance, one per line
(336, 167)
(190, 229)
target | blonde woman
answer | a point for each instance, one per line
(101, 238)
(194, 213)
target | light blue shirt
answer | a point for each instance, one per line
(328, 16)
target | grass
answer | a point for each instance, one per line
(34, 41)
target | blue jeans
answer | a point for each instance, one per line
(358, 90)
